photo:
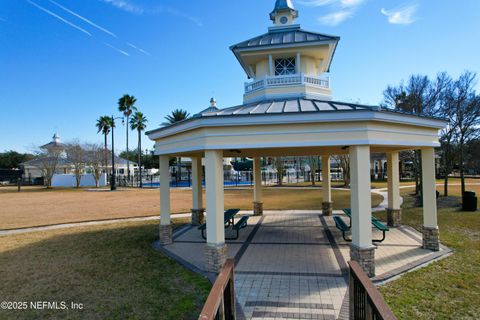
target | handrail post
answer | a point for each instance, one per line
(366, 302)
(220, 303)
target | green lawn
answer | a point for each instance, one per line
(111, 269)
(449, 288)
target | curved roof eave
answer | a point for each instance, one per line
(356, 112)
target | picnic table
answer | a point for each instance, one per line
(228, 219)
(342, 226)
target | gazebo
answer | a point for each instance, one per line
(288, 111)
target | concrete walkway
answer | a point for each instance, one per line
(293, 264)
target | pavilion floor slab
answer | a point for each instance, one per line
(292, 265)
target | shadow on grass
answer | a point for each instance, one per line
(112, 270)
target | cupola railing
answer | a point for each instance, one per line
(287, 80)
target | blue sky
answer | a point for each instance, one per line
(64, 63)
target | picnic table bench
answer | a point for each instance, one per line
(342, 226)
(229, 220)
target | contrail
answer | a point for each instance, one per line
(116, 49)
(139, 49)
(59, 18)
(84, 19)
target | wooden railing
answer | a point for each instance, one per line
(220, 303)
(366, 302)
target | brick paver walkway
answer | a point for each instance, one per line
(293, 265)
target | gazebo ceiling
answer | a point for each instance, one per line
(296, 127)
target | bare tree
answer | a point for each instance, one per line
(343, 161)
(95, 158)
(420, 96)
(314, 164)
(279, 164)
(462, 106)
(48, 161)
(77, 157)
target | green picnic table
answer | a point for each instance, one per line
(228, 219)
(342, 226)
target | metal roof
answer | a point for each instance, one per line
(287, 106)
(284, 36)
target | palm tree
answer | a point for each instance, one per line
(104, 125)
(126, 104)
(177, 115)
(139, 123)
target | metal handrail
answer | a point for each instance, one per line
(366, 302)
(220, 303)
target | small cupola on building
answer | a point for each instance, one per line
(284, 13)
(287, 61)
(55, 145)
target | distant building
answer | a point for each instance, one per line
(32, 169)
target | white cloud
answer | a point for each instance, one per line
(335, 18)
(84, 19)
(125, 6)
(341, 9)
(401, 15)
(59, 18)
(131, 7)
(337, 3)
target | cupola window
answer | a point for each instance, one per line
(285, 66)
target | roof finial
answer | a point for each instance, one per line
(56, 138)
(213, 103)
(284, 12)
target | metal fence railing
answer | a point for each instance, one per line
(366, 302)
(220, 304)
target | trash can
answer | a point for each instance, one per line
(469, 201)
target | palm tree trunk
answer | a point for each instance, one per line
(128, 160)
(140, 157)
(105, 161)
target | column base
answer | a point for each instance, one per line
(394, 217)
(327, 208)
(165, 233)
(257, 208)
(365, 258)
(198, 216)
(215, 257)
(431, 239)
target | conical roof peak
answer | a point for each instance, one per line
(282, 6)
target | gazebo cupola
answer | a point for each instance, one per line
(287, 61)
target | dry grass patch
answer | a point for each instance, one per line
(111, 269)
(37, 207)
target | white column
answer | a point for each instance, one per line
(257, 178)
(298, 63)
(215, 197)
(197, 202)
(165, 229)
(393, 181)
(270, 65)
(164, 190)
(429, 189)
(431, 236)
(326, 180)
(257, 189)
(361, 201)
